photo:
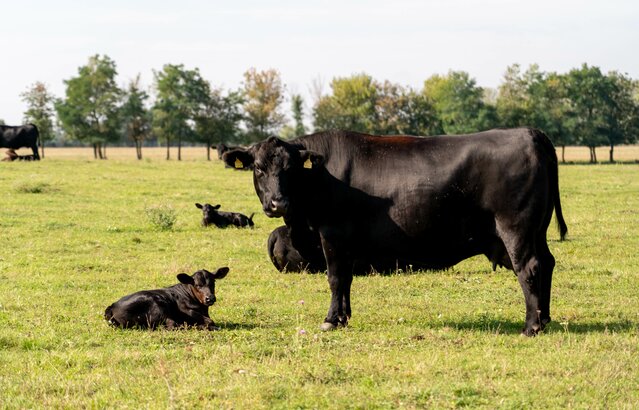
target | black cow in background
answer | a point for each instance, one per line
(20, 136)
(421, 201)
(221, 219)
(186, 303)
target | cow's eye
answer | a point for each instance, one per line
(258, 172)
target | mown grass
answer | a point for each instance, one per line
(81, 240)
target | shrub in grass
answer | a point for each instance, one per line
(32, 187)
(161, 217)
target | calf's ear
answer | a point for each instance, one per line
(238, 158)
(311, 159)
(198, 206)
(221, 273)
(217, 206)
(186, 279)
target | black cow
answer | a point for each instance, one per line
(186, 303)
(307, 256)
(11, 155)
(221, 219)
(20, 136)
(422, 201)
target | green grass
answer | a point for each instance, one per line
(75, 237)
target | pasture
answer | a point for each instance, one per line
(75, 238)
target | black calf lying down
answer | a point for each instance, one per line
(186, 303)
(221, 219)
(286, 257)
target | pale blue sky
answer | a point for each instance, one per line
(403, 41)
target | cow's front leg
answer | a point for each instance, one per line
(340, 277)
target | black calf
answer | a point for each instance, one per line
(221, 219)
(186, 303)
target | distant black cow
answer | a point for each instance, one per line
(421, 201)
(222, 148)
(20, 136)
(186, 303)
(287, 257)
(221, 219)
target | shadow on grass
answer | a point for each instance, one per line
(235, 326)
(506, 326)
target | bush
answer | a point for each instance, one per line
(162, 217)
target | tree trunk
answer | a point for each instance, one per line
(138, 149)
(104, 151)
(168, 152)
(563, 154)
(612, 149)
(180, 149)
(593, 155)
(95, 150)
(208, 152)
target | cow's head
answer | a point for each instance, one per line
(280, 171)
(202, 284)
(208, 210)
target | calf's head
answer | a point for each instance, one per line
(280, 169)
(208, 211)
(202, 284)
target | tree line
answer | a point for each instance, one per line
(581, 107)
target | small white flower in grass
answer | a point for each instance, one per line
(301, 301)
(302, 332)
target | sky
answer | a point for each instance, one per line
(403, 41)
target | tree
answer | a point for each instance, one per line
(263, 96)
(621, 116)
(297, 107)
(91, 112)
(351, 105)
(40, 111)
(137, 118)
(218, 120)
(181, 93)
(589, 93)
(459, 103)
(401, 110)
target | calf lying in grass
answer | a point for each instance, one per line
(221, 219)
(184, 304)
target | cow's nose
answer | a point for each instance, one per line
(279, 206)
(209, 300)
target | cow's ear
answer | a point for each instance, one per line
(221, 273)
(238, 159)
(311, 159)
(218, 206)
(199, 206)
(186, 279)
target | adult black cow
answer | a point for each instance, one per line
(20, 136)
(426, 201)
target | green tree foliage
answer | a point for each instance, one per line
(218, 119)
(297, 107)
(459, 103)
(589, 93)
(263, 97)
(136, 116)
(351, 106)
(400, 110)
(621, 116)
(40, 111)
(535, 99)
(91, 110)
(180, 94)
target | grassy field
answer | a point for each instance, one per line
(75, 238)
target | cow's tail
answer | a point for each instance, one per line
(553, 177)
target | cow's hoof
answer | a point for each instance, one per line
(327, 326)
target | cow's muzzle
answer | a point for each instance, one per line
(276, 208)
(209, 300)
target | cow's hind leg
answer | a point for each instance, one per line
(527, 264)
(36, 154)
(547, 264)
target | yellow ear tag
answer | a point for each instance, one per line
(308, 164)
(238, 163)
